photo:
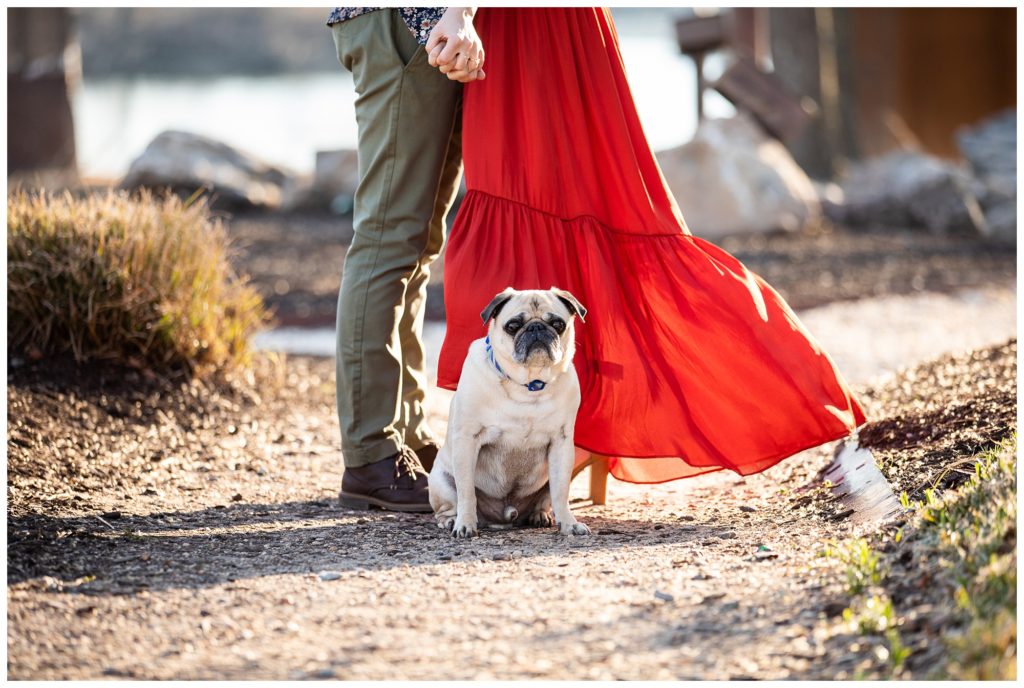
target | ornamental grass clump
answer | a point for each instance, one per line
(136, 279)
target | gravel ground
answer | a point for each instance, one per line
(178, 529)
(185, 531)
(296, 261)
(938, 413)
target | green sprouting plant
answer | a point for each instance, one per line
(968, 538)
(863, 565)
(876, 616)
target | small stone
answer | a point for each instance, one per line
(329, 575)
(748, 509)
(112, 515)
(237, 497)
(663, 596)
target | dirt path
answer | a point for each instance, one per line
(233, 592)
(176, 533)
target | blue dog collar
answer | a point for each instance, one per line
(533, 386)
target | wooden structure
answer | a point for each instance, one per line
(875, 79)
(887, 78)
(933, 69)
(42, 66)
(697, 36)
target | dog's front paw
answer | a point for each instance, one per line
(464, 529)
(540, 519)
(446, 523)
(576, 528)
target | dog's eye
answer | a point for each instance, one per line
(512, 326)
(558, 324)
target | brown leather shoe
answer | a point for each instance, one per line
(398, 483)
(426, 455)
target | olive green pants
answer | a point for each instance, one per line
(410, 164)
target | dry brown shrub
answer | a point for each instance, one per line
(134, 278)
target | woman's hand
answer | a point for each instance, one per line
(454, 46)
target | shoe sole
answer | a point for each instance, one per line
(365, 503)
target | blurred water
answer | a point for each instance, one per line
(286, 119)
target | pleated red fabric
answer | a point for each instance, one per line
(688, 361)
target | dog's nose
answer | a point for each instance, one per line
(535, 326)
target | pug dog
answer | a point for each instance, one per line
(508, 457)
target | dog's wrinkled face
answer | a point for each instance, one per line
(533, 327)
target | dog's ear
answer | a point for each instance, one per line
(571, 302)
(496, 304)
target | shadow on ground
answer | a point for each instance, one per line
(162, 551)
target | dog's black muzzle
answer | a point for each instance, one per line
(535, 335)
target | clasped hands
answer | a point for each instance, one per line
(454, 46)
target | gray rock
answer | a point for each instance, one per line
(337, 173)
(333, 185)
(185, 162)
(1001, 221)
(733, 179)
(990, 147)
(908, 189)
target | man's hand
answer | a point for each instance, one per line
(454, 46)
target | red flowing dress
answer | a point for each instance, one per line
(688, 361)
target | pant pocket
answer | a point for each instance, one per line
(407, 48)
(345, 35)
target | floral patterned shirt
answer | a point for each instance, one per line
(420, 20)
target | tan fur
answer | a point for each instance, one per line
(508, 446)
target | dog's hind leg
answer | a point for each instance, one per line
(540, 516)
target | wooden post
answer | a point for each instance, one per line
(697, 36)
(698, 61)
(42, 66)
(598, 479)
